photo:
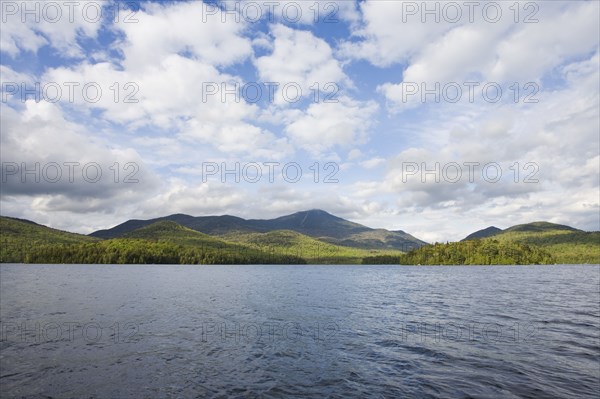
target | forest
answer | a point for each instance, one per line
(472, 252)
(138, 251)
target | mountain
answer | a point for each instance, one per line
(168, 242)
(240, 241)
(565, 244)
(531, 243)
(329, 228)
(290, 242)
(163, 242)
(317, 224)
(540, 227)
(534, 227)
(174, 232)
(213, 225)
(280, 244)
(487, 232)
(19, 235)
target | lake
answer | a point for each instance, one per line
(133, 331)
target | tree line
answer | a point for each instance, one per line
(137, 251)
(472, 252)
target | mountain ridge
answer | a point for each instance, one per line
(314, 223)
(538, 226)
(169, 242)
(164, 241)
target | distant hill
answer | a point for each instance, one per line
(162, 242)
(277, 242)
(166, 241)
(317, 224)
(314, 251)
(565, 244)
(534, 227)
(19, 235)
(487, 232)
(174, 232)
(539, 227)
(239, 241)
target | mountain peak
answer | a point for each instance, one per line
(540, 226)
(313, 218)
(483, 233)
(317, 213)
(315, 223)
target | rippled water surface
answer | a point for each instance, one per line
(304, 331)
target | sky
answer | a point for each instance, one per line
(437, 118)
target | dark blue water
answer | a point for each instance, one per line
(302, 331)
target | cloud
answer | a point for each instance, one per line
(31, 26)
(372, 163)
(163, 81)
(182, 27)
(554, 142)
(44, 154)
(194, 199)
(293, 12)
(288, 64)
(10, 80)
(535, 49)
(325, 126)
(355, 153)
(388, 35)
(238, 138)
(500, 53)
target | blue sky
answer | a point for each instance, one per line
(512, 89)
